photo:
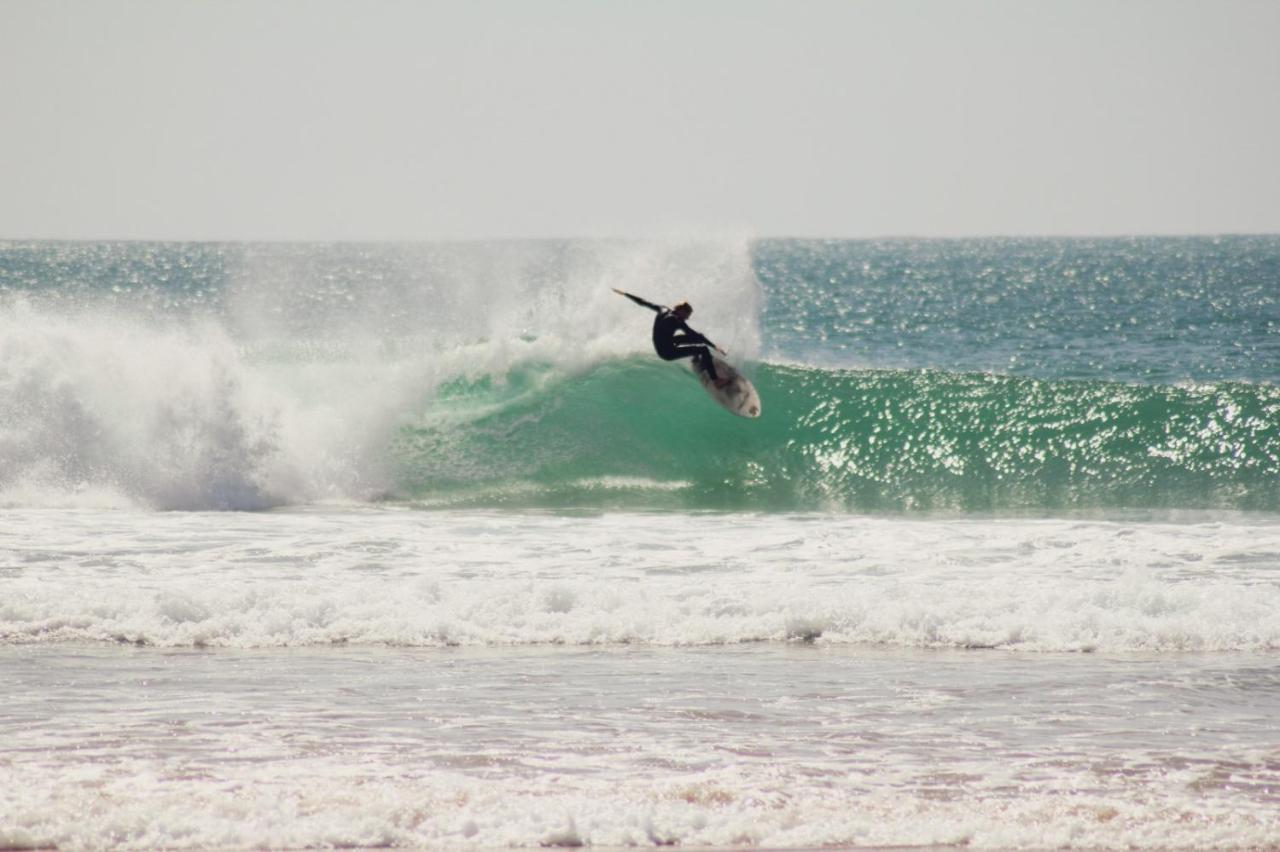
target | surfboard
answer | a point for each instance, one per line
(739, 396)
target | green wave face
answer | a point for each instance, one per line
(643, 435)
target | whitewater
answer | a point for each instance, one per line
(369, 545)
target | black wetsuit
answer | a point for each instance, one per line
(671, 344)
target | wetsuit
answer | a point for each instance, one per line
(670, 344)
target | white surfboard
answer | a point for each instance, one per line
(738, 396)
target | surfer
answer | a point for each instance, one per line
(670, 344)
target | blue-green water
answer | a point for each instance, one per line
(973, 375)
(859, 440)
(1146, 310)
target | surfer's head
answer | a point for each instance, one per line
(684, 310)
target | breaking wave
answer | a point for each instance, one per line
(641, 434)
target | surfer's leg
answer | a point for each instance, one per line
(704, 358)
(700, 353)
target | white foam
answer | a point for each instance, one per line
(328, 798)
(409, 578)
(332, 803)
(98, 408)
(861, 740)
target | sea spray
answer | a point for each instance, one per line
(193, 376)
(107, 409)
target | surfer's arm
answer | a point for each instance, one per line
(641, 302)
(696, 337)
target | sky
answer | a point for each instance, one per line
(484, 119)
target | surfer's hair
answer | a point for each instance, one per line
(682, 306)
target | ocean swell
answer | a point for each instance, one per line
(636, 433)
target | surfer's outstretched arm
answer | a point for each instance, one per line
(650, 305)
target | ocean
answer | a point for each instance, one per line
(419, 545)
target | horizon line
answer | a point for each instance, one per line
(700, 235)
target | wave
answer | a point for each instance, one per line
(636, 433)
(249, 377)
(193, 376)
(104, 412)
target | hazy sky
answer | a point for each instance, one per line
(433, 120)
